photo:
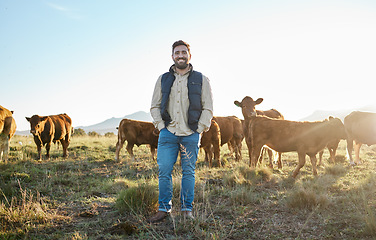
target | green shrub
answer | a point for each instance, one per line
(94, 134)
(79, 132)
(141, 199)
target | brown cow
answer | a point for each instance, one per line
(48, 129)
(231, 129)
(361, 128)
(248, 106)
(136, 132)
(305, 138)
(210, 141)
(7, 130)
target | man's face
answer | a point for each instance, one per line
(181, 57)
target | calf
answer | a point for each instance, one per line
(136, 132)
(231, 133)
(7, 130)
(361, 129)
(248, 106)
(51, 129)
(305, 138)
(210, 142)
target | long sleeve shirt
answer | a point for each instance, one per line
(178, 106)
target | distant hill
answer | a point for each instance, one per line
(320, 114)
(108, 125)
(111, 124)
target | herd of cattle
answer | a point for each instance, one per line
(261, 130)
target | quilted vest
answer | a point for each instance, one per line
(194, 96)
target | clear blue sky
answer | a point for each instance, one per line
(100, 59)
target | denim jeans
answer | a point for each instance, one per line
(169, 146)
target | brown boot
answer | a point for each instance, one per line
(159, 216)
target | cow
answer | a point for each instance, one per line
(210, 142)
(7, 130)
(51, 129)
(248, 106)
(305, 138)
(231, 130)
(136, 132)
(361, 129)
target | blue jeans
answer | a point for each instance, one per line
(169, 146)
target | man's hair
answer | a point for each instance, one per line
(178, 43)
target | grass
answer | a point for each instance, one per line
(90, 196)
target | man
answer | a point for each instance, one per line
(182, 108)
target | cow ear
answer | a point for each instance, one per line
(259, 100)
(237, 103)
(12, 112)
(28, 119)
(331, 117)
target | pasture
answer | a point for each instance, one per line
(91, 196)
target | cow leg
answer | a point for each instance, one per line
(261, 157)
(255, 154)
(249, 146)
(130, 150)
(237, 149)
(4, 151)
(333, 154)
(300, 164)
(65, 144)
(350, 147)
(119, 146)
(270, 153)
(39, 148)
(4, 147)
(320, 157)
(279, 160)
(357, 147)
(313, 162)
(48, 146)
(208, 155)
(152, 150)
(217, 152)
(231, 148)
(239, 144)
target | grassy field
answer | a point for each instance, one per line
(90, 196)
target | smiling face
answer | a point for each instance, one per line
(181, 57)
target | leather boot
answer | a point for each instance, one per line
(159, 216)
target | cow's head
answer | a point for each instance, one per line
(338, 127)
(36, 124)
(248, 106)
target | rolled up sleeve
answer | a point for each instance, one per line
(155, 109)
(207, 106)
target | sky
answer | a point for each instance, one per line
(100, 59)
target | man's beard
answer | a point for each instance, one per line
(183, 65)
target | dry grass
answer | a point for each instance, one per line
(90, 196)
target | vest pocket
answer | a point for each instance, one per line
(195, 88)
